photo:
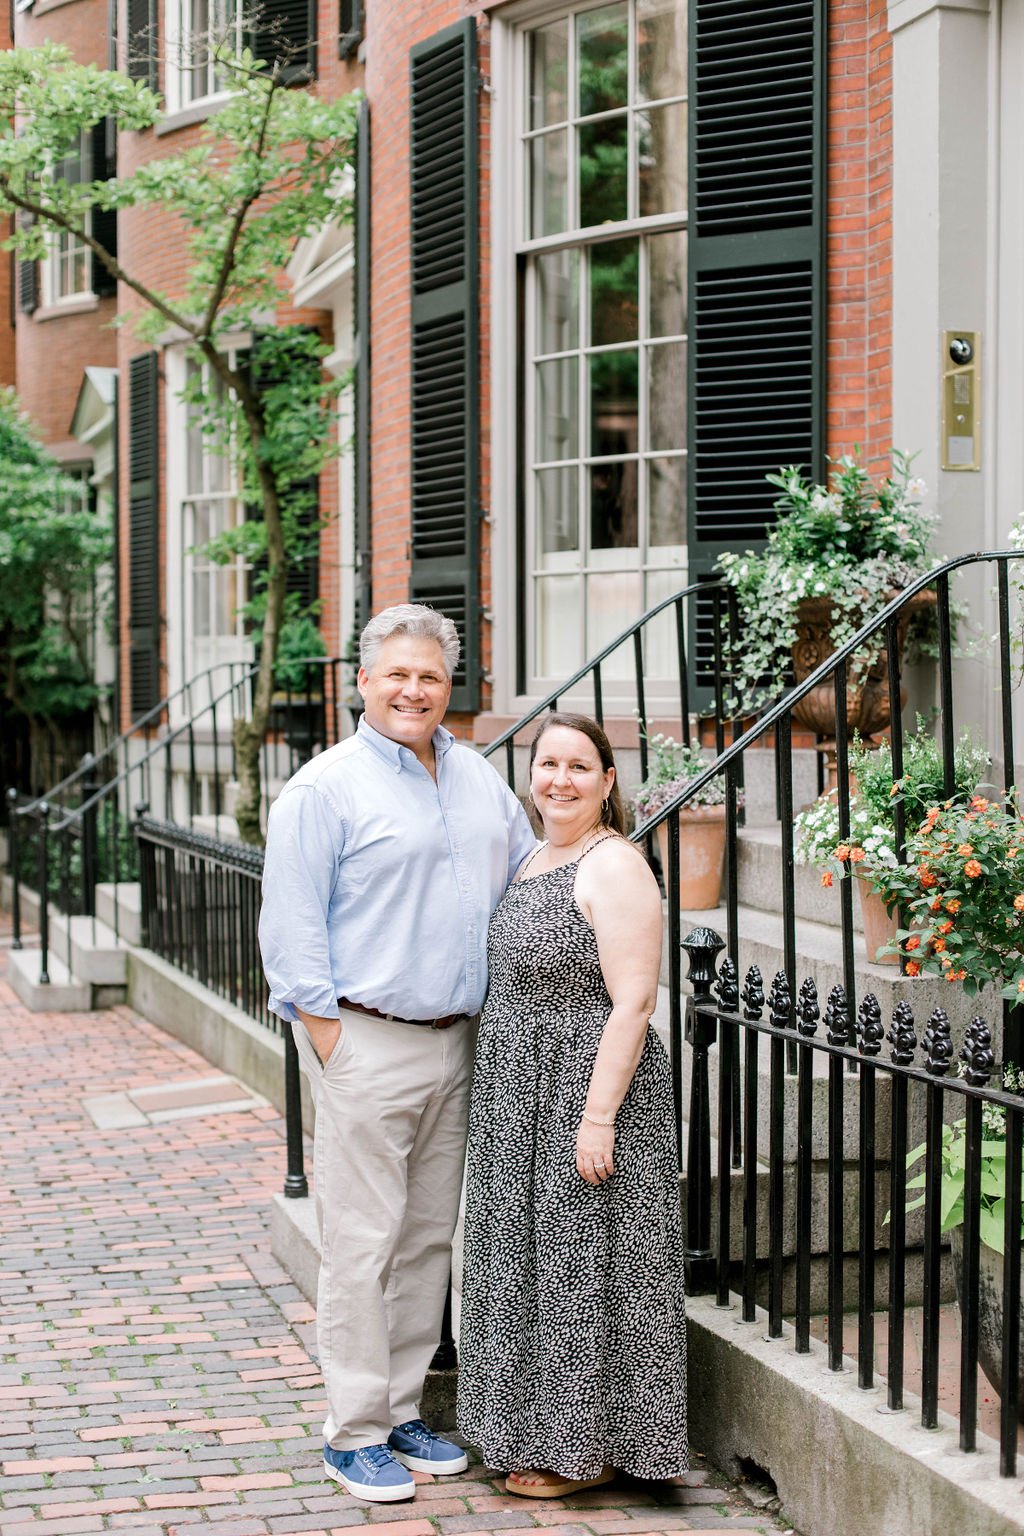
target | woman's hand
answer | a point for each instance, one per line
(595, 1152)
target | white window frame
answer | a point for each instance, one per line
(513, 566)
(181, 639)
(179, 29)
(65, 248)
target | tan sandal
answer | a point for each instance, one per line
(558, 1487)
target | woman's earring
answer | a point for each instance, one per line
(604, 807)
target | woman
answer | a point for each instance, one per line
(572, 1344)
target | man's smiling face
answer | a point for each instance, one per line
(406, 692)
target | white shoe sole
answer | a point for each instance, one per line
(441, 1468)
(372, 1492)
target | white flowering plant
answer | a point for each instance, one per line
(870, 850)
(854, 542)
(670, 767)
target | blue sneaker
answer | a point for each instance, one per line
(370, 1473)
(419, 1449)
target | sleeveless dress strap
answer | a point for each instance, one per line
(596, 844)
(521, 871)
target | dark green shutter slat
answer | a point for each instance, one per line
(361, 329)
(143, 533)
(445, 341)
(104, 220)
(143, 39)
(286, 35)
(28, 287)
(756, 272)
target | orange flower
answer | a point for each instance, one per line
(856, 854)
(953, 905)
(979, 803)
(951, 976)
(1018, 902)
(946, 961)
(972, 869)
(938, 945)
(946, 927)
(1020, 985)
(961, 974)
(935, 905)
(914, 942)
(843, 852)
(926, 877)
(894, 791)
(965, 850)
(1011, 853)
(826, 878)
(913, 968)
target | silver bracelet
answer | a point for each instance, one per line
(594, 1121)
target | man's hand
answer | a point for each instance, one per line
(324, 1033)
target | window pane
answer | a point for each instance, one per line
(225, 588)
(194, 453)
(614, 292)
(613, 602)
(557, 435)
(613, 403)
(661, 644)
(558, 643)
(558, 519)
(558, 301)
(549, 193)
(201, 601)
(660, 48)
(549, 70)
(201, 524)
(666, 502)
(613, 506)
(602, 54)
(666, 386)
(603, 171)
(661, 156)
(666, 271)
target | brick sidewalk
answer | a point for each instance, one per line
(156, 1371)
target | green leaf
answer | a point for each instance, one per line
(991, 1225)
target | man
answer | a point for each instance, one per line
(386, 856)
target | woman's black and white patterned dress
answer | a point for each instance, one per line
(572, 1342)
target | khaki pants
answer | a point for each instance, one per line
(391, 1111)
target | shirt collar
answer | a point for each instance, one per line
(394, 754)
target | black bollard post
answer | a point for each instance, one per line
(44, 896)
(12, 864)
(702, 946)
(296, 1185)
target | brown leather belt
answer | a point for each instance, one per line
(393, 1018)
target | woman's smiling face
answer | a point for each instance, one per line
(568, 783)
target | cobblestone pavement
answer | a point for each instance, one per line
(156, 1374)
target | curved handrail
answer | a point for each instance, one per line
(821, 674)
(91, 761)
(695, 587)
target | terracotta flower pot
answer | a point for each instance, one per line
(701, 856)
(868, 705)
(879, 925)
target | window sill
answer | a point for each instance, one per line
(42, 6)
(84, 304)
(195, 112)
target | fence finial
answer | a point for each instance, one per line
(753, 994)
(975, 1053)
(837, 1018)
(901, 1034)
(870, 1030)
(937, 1044)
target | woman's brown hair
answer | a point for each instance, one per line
(612, 814)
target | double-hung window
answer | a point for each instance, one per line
(196, 30)
(602, 245)
(67, 270)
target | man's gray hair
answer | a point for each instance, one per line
(409, 619)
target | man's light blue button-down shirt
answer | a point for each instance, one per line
(379, 882)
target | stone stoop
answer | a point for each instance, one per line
(63, 993)
(120, 907)
(96, 954)
(86, 961)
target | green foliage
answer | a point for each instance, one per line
(854, 544)
(51, 549)
(300, 642)
(670, 767)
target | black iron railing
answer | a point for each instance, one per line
(179, 757)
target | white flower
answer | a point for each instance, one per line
(917, 487)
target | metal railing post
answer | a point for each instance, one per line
(702, 946)
(296, 1185)
(90, 838)
(44, 901)
(445, 1355)
(12, 865)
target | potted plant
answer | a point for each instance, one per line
(835, 556)
(870, 851)
(671, 766)
(991, 1223)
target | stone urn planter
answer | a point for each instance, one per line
(990, 1309)
(879, 925)
(701, 856)
(868, 705)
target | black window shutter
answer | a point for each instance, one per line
(445, 342)
(143, 41)
(104, 220)
(350, 27)
(143, 533)
(28, 287)
(361, 332)
(287, 33)
(756, 269)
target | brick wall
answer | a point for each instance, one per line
(860, 231)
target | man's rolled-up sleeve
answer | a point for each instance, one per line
(305, 841)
